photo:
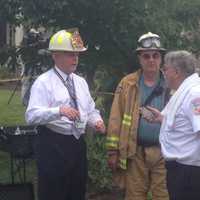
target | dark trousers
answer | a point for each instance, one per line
(183, 181)
(62, 166)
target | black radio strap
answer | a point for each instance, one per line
(157, 91)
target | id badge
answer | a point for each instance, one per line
(79, 124)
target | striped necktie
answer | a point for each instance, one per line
(71, 90)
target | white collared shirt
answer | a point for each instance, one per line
(181, 141)
(48, 93)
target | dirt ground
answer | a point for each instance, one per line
(113, 195)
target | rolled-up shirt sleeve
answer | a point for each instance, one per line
(39, 110)
(192, 109)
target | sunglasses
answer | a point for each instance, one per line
(147, 56)
(150, 42)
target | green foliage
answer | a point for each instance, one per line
(10, 11)
(4, 73)
(102, 89)
(99, 173)
(10, 61)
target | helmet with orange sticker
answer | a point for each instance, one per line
(67, 40)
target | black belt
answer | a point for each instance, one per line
(42, 129)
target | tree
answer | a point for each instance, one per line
(111, 28)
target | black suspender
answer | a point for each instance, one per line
(157, 91)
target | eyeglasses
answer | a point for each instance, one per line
(147, 56)
(150, 42)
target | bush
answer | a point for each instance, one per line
(99, 173)
(6, 73)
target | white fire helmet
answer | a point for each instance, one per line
(67, 40)
(149, 41)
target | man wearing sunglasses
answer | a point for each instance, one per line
(133, 143)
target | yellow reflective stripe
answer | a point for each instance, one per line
(123, 163)
(127, 117)
(112, 141)
(112, 138)
(127, 120)
(111, 145)
(60, 39)
(69, 35)
(52, 40)
(126, 123)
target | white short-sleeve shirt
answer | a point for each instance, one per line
(181, 142)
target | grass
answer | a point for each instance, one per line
(5, 167)
(11, 114)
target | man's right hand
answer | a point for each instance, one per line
(69, 112)
(157, 116)
(112, 159)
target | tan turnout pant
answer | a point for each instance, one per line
(146, 173)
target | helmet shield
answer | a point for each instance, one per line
(149, 41)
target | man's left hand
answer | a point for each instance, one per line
(100, 127)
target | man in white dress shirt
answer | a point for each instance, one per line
(61, 105)
(180, 130)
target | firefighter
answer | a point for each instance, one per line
(134, 152)
(61, 105)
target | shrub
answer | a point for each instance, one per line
(98, 171)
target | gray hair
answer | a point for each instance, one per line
(183, 60)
